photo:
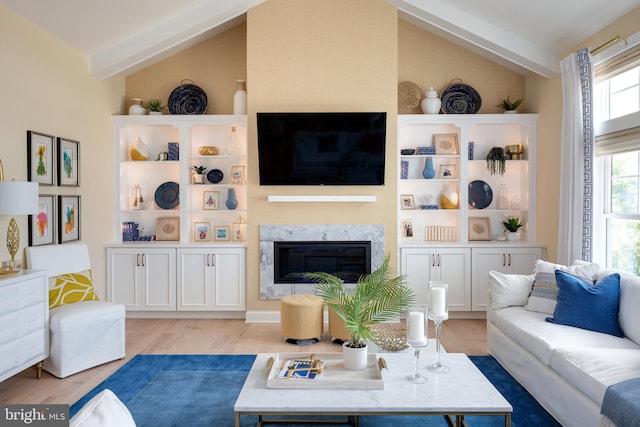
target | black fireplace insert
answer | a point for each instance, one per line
(347, 260)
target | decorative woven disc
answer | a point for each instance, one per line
(409, 95)
(391, 337)
(187, 99)
(460, 99)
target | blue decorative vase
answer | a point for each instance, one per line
(232, 202)
(429, 172)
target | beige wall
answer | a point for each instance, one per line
(545, 96)
(46, 87)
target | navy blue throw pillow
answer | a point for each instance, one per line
(586, 306)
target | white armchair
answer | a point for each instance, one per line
(83, 334)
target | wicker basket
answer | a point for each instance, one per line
(391, 337)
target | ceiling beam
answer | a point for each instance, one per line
(486, 39)
(160, 42)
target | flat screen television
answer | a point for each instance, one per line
(321, 148)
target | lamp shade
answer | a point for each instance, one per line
(18, 198)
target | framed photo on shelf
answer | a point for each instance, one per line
(68, 218)
(42, 225)
(211, 200)
(479, 228)
(446, 143)
(407, 230)
(407, 202)
(222, 232)
(447, 172)
(40, 154)
(168, 228)
(68, 162)
(201, 232)
(237, 174)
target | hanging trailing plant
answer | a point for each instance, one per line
(496, 163)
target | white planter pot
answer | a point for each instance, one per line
(513, 236)
(354, 359)
(198, 178)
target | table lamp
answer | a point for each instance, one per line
(16, 198)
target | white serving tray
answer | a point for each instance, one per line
(334, 376)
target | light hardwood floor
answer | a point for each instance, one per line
(202, 336)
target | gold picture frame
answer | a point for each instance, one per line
(222, 233)
(447, 172)
(202, 231)
(211, 200)
(407, 201)
(446, 143)
(168, 228)
(237, 175)
(408, 232)
(479, 228)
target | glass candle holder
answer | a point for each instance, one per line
(417, 336)
(438, 313)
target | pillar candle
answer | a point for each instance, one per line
(416, 326)
(438, 302)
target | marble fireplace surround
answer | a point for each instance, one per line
(314, 232)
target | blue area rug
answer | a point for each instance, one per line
(200, 390)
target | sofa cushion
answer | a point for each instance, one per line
(545, 289)
(591, 370)
(629, 314)
(540, 338)
(509, 289)
(103, 410)
(588, 307)
(71, 287)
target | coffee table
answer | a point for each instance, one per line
(462, 391)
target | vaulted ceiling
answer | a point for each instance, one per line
(122, 36)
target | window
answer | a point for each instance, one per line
(617, 126)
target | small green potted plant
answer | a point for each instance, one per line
(512, 225)
(377, 297)
(198, 176)
(155, 106)
(510, 106)
(496, 161)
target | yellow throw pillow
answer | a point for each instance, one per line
(70, 288)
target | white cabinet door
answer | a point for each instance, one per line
(195, 279)
(452, 265)
(142, 279)
(229, 267)
(509, 260)
(158, 275)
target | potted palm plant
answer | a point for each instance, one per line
(512, 225)
(377, 297)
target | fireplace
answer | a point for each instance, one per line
(347, 260)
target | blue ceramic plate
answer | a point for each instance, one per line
(480, 194)
(214, 176)
(167, 195)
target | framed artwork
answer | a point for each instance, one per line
(211, 200)
(168, 228)
(407, 202)
(447, 172)
(42, 225)
(222, 232)
(68, 162)
(479, 228)
(445, 143)
(237, 174)
(68, 218)
(201, 232)
(407, 230)
(40, 154)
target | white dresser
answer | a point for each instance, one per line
(24, 322)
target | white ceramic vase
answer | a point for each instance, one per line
(431, 103)
(136, 108)
(240, 98)
(354, 359)
(513, 236)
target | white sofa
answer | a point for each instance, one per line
(567, 369)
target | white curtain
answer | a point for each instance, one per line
(571, 178)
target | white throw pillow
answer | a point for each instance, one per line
(545, 289)
(628, 313)
(103, 410)
(509, 289)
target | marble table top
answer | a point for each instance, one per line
(461, 390)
